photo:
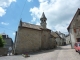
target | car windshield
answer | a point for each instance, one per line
(78, 44)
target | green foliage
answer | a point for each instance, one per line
(2, 42)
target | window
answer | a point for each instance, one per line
(78, 39)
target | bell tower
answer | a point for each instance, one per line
(43, 20)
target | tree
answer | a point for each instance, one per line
(1, 41)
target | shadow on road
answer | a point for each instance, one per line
(50, 50)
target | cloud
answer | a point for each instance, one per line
(37, 23)
(13, 33)
(2, 11)
(29, 0)
(59, 13)
(3, 23)
(33, 20)
(3, 5)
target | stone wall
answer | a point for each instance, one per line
(27, 40)
(3, 51)
(45, 39)
(9, 42)
(52, 43)
(68, 40)
(72, 37)
(30, 40)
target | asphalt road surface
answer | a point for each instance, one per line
(60, 53)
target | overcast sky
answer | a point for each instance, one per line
(59, 14)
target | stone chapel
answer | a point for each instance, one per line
(31, 37)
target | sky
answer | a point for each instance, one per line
(59, 14)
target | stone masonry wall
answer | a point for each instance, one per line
(3, 51)
(27, 40)
(45, 39)
(52, 43)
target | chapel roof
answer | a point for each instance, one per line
(55, 34)
(33, 26)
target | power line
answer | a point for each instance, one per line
(20, 16)
(23, 8)
(7, 28)
(19, 7)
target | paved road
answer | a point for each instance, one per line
(61, 53)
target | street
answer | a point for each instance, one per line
(60, 53)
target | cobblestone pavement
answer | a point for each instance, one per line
(60, 53)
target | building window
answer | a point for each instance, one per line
(78, 31)
(78, 39)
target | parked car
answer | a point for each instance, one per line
(77, 47)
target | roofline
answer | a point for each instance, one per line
(46, 29)
(35, 29)
(57, 34)
(72, 19)
(29, 28)
(53, 36)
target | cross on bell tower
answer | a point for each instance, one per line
(43, 20)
